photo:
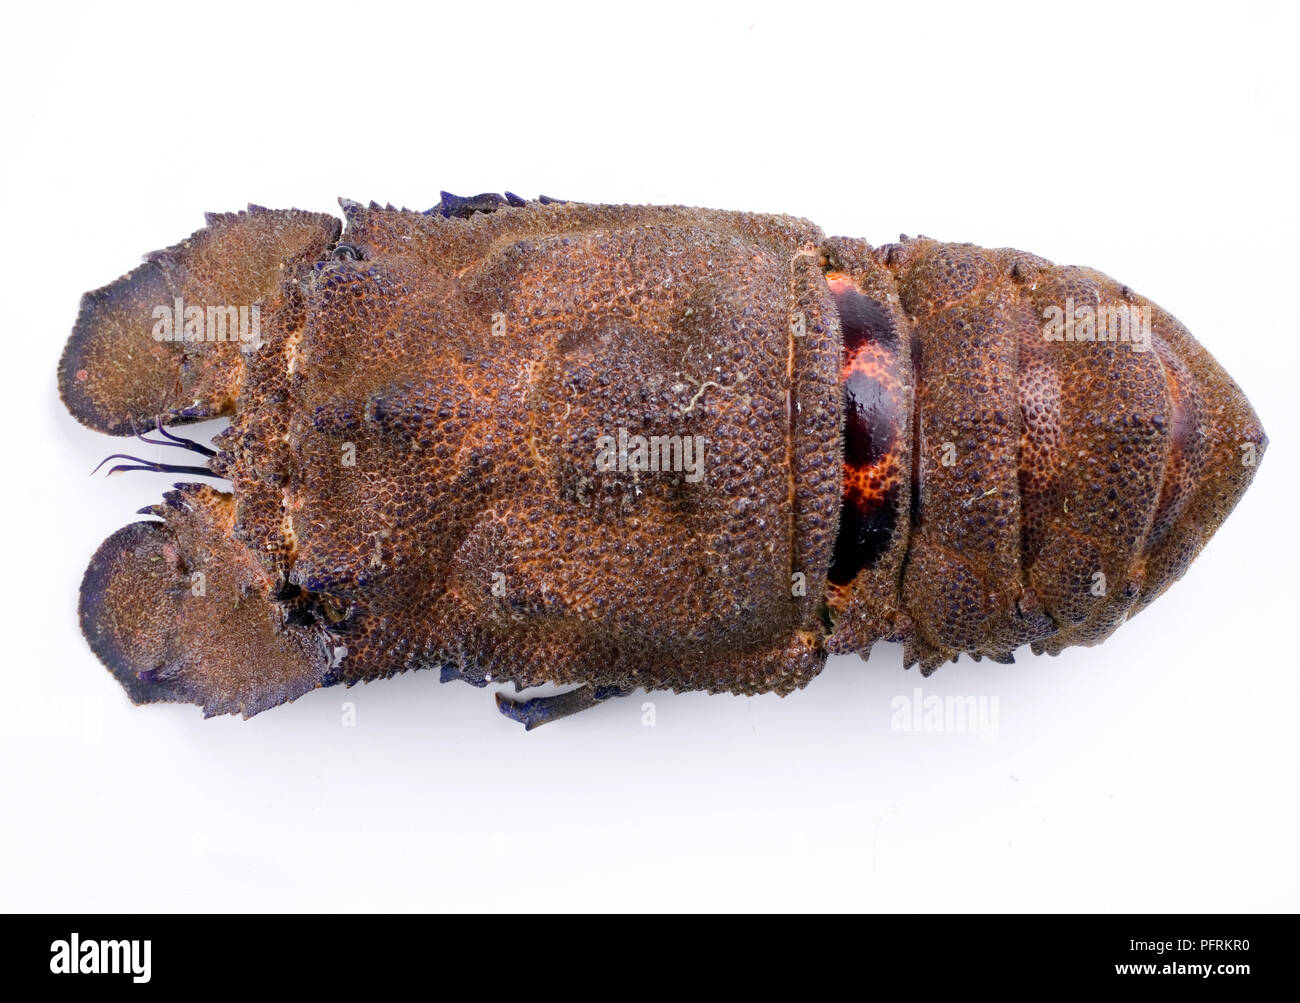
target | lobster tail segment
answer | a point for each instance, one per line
(1070, 449)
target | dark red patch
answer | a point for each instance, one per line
(862, 319)
(870, 413)
(874, 409)
(866, 529)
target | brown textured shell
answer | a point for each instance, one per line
(1083, 476)
(410, 454)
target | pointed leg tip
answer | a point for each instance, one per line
(519, 711)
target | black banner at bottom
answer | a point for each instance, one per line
(979, 953)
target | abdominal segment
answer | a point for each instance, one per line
(875, 414)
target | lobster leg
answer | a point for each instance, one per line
(541, 710)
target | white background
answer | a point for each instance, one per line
(1157, 772)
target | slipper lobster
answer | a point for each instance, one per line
(620, 447)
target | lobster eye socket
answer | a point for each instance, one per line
(346, 252)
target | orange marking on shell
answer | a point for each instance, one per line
(870, 484)
(875, 430)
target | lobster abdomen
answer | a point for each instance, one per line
(1070, 447)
